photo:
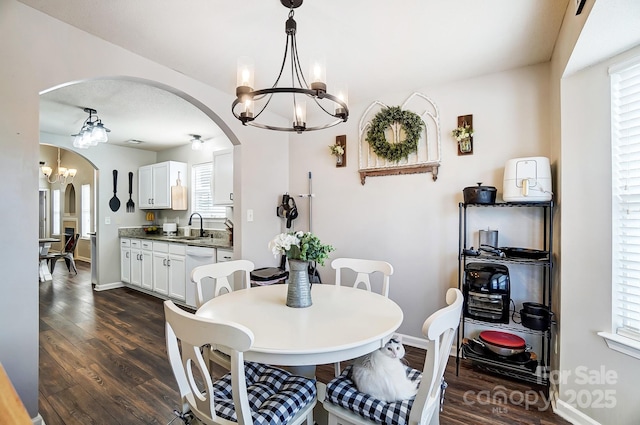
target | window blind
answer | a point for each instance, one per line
(202, 192)
(625, 131)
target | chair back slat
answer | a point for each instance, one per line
(219, 274)
(363, 269)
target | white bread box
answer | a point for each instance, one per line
(527, 180)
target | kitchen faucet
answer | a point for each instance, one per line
(201, 229)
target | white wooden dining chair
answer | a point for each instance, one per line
(212, 280)
(252, 393)
(363, 269)
(346, 405)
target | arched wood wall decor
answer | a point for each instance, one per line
(425, 160)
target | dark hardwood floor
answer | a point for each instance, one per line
(103, 361)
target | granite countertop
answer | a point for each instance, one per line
(214, 239)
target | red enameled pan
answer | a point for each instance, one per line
(503, 339)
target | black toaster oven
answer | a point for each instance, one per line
(487, 292)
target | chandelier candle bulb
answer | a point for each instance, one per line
(343, 97)
(245, 76)
(318, 75)
(248, 109)
(299, 116)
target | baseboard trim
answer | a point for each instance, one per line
(37, 420)
(107, 286)
(413, 341)
(421, 343)
(573, 415)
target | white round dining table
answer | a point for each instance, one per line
(341, 324)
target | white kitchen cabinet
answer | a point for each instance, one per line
(223, 177)
(146, 257)
(222, 256)
(177, 276)
(125, 260)
(160, 273)
(169, 270)
(136, 263)
(155, 181)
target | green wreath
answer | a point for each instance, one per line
(412, 125)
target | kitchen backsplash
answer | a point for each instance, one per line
(132, 232)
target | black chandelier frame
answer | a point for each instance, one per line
(316, 91)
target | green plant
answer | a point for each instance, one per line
(303, 246)
(410, 122)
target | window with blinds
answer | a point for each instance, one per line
(625, 139)
(202, 192)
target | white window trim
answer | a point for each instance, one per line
(619, 339)
(621, 344)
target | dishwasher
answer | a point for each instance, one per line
(197, 256)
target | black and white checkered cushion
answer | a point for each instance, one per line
(342, 391)
(275, 395)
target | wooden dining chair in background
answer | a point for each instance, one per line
(276, 395)
(346, 405)
(363, 269)
(212, 280)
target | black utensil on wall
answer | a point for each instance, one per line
(130, 205)
(114, 203)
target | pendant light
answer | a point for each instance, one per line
(92, 131)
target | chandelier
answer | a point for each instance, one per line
(248, 100)
(91, 133)
(63, 175)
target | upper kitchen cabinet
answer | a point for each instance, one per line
(223, 177)
(154, 183)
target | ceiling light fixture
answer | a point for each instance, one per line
(63, 175)
(196, 143)
(92, 131)
(300, 90)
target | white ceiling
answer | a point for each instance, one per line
(374, 46)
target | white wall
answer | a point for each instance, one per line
(412, 221)
(580, 106)
(40, 53)
(586, 247)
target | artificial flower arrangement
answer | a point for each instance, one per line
(463, 132)
(300, 245)
(336, 150)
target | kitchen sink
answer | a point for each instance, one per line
(186, 238)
